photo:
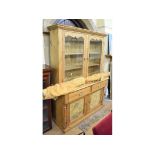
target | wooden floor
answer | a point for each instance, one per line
(76, 130)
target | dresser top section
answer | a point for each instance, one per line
(76, 29)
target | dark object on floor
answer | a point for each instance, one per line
(104, 127)
(82, 133)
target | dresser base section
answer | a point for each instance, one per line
(71, 109)
(60, 118)
(82, 119)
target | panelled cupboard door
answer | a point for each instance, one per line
(95, 55)
(96, 99)
(74, 55)
(76, 109)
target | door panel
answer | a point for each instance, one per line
(94, 55)
(95, 99)
(76, 109)
(74, 47)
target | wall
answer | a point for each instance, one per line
(104, 26)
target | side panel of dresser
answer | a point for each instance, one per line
(56, 55)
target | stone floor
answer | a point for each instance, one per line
(85, 125)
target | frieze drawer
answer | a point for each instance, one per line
(98, 86)
(78, 94)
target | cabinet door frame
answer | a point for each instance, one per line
(100, 100)
(95, 37)
(77, 35)
(84, 110)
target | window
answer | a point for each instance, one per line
(72, 22)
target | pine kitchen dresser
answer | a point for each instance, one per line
(76, 52)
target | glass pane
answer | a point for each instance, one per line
(76, 109)
(74, 50)
(93, 70)
(94, 56)
(95, 99)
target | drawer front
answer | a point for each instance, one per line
(79, 94)
(103, 84)
(98, 86)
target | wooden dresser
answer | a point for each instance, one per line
(74, 53)
(47, 114)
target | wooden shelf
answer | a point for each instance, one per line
(92, 65)
(94, 53)
(91, 73)
(78, 53)
(73, 68)
(73, 40)
(74, 77)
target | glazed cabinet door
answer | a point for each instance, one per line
(95, 55)
(74, 55)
